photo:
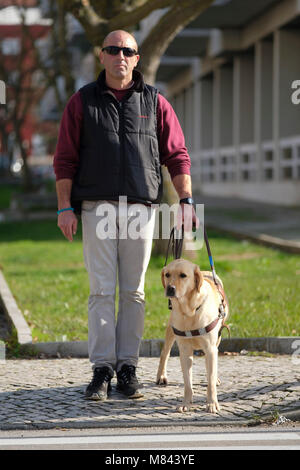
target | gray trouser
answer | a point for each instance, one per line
(114, 343)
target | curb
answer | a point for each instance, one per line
(121, 424)
(152, 347)
(13, 312)
(270, 344)
(293, 416)
(262, 239)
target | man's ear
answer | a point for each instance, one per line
(198, 278)
(163, 277)
(101, 57)
(137, 57)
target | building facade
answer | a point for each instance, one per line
(238, 100)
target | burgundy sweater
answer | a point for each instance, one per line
(173, 152)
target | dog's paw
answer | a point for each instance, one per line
(162, 380)
(213, 407)
(183, 408)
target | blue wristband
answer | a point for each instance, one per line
(65, 209)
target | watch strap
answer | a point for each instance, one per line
(186, 200)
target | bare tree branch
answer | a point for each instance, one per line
(109, 9)
(134, 15)
(100, 7)
(162, 34)
(22, 93)
(83, 12)
(64, 56)
(99, 18)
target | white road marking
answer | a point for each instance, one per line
(195, 440)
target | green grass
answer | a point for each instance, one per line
(46, 274)
(6, 193)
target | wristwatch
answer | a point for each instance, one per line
(186, 200)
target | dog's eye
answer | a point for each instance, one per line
(182, 275)
(167, 274)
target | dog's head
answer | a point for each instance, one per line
(180, 278)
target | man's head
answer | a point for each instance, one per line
(120, 66)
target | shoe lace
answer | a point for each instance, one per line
(126, 373)
(101, 375)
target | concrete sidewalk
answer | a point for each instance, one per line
(272, 225)
(45, 394)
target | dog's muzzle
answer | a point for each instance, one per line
(171, 291)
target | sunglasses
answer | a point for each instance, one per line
(114, 50)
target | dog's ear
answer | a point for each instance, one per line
(163, 277)
(198, 278)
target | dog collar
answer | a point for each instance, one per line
(199, 332)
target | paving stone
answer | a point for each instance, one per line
(49, 393)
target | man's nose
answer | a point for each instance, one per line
(122, 53)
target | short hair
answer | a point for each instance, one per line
(105, 40)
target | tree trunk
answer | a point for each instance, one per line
(164, 31)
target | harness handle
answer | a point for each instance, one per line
(177, 244)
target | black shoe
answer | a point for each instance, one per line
(127, 382)
(100, 385)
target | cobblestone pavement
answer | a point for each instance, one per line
(48, 393)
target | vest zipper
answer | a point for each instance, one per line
(119, 104)
(122, 176)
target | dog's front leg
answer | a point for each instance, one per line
(161, 378)
(211, 359)
(186, 360)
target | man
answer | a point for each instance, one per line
(114, 135)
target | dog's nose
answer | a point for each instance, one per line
(171, 290)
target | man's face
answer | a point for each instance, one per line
(119, 66)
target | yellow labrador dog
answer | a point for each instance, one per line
(197, 316)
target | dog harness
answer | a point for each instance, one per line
(212, 325)
(177, 245)
(205, 329)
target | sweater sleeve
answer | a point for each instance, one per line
(66, 157)
(173, 152)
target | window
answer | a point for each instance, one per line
(287, 153)
(269, 155)
(245, 175)
(287, 173)
(268, 174)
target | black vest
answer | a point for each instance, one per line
(119, 153)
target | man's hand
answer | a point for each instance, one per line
(186, 216)
(67, 222)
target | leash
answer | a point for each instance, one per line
(222, 305)
(217, 283)
(176, 245)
